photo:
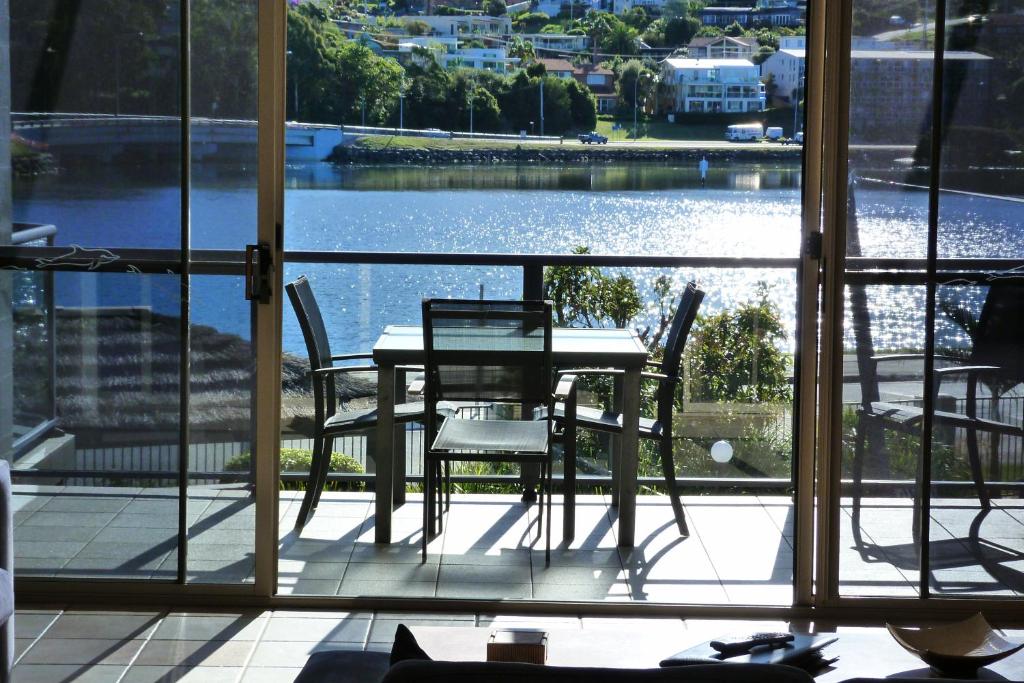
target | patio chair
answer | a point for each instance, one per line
(330, 422)
(658, 429)
(490, 351)
(996, 358)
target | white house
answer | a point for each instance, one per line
(466, 24)
(786, 68)
(713, 85)
(446, 52)
(557, 41)
(722, 47)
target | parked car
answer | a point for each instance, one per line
(593, 137)
(797, 139)
(773, 132)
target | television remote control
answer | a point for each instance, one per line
(738, 645)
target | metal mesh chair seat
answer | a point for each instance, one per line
(479, 439)
(351, 420)
(908, 418)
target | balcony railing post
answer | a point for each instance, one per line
(533, 281)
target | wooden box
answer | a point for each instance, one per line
(526, 645)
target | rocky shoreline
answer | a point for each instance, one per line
(575, 154)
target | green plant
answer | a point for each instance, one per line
(299, 460)
(735, 354)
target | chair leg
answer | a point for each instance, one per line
(858, 474)
(551, 482)
(311, 481)
(569, 482)
(325, 469)
(668, 467)
(447, 486)
(439, 477)
(540, 502)
(976, 474)
(428, 505)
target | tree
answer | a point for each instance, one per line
(627, 85)
(582, 105)
(680, 31)
(620, 40)
(654, 35)
(734, 30)
(523, 49)
(709, 32)
(736, 354)
(494, 8)
(583, 296)
(637, 18)
(763, 53)
(417, 27)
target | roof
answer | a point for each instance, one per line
(557, 65)
(701, 41)
(586, 69)
(705, 63)
(916, 55)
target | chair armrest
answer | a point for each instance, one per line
(911, 356)
(653, 363)
(591, 371)
(659, 376)
(972, 372)
(352, 356)
(565, 388)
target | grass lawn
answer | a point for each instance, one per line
(380, 142)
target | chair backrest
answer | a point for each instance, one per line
(311, 322)
(497, 351)
(999, 339)
(682, 322)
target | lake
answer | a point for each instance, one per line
(638, 209)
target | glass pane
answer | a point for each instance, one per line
(106, 174)
(975, 541)
(222, 503)
(97, 495)
(527, 153)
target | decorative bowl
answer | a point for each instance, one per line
(957, 649)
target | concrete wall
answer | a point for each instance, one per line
(6, 321)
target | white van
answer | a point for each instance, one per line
(745, 131)
(773, 132)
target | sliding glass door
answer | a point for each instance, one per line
(130, 300)
(928, 440)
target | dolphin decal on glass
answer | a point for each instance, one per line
(79, 257)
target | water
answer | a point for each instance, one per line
(642, 209)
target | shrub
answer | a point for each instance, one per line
(299, 460)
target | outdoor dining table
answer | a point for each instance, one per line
(570, 348)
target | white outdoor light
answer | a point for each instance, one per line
(721, 451)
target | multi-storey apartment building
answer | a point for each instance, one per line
(713, 85)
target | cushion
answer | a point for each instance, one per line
(344, 666)
(405, 646)
(419, 671)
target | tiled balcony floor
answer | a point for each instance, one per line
(740, 550)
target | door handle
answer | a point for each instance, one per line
(259, 269)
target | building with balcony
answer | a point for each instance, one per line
(467, 25)
(722, 47)
(712, 85)
(601, 82)
(446, 52)
(557, 42)
(764, 13)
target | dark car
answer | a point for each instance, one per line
(592, 138)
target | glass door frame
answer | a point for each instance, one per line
(838, 30)
(266, 316)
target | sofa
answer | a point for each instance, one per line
(6, 574)
(341, 666)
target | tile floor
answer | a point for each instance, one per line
(740, 550)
